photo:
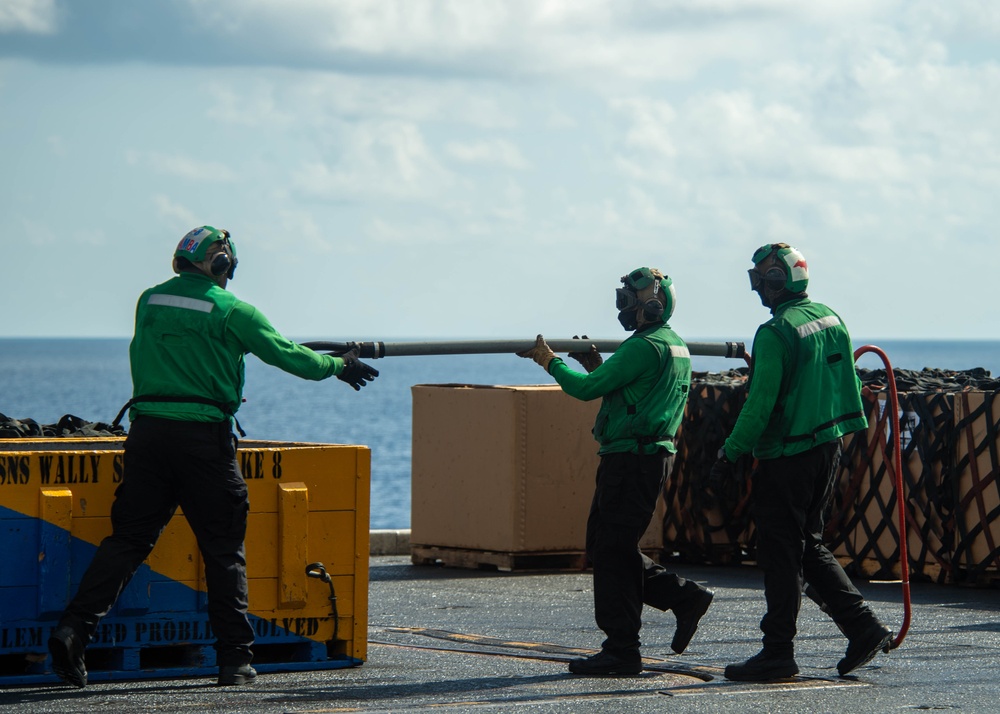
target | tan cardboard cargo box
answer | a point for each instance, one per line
(504, 468)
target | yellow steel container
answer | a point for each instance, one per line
(308, 503)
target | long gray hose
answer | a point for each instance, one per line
(376, 350)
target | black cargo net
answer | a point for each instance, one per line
(700, 526)
(928, 467)
(67, 426)
(950, 469)
(863, 525)
(952, 501)
(852, 492)
(975, 492)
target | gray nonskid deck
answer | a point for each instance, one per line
(479, 641)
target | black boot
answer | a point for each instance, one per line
(66, 648)
(862, 648)
(236, 674)
(765, 666)
(608, 663)
(687, 619)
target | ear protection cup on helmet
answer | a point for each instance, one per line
(221, 264)
(224, 263)
(652, 310)
(775, 278)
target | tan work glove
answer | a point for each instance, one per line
(541, 353)
(590, 360)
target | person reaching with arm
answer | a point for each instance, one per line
(187, 364)
(643, 389)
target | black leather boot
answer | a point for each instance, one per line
(862, 648)
(66, 648)
(688, 617)
(608, 663)
(765, 666)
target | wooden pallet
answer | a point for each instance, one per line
(868, 567)
(108, 664)
(934, 572)
(497, 560)
(989, 578)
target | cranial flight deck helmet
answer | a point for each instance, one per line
(194, 247)
(778, 270)
(649, 289)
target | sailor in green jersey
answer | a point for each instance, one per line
(187, 360)
(643, 387)
(803, 396)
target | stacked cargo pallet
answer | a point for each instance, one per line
(950, 441)
(502, 478)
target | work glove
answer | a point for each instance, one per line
(541, 353)
(591, 359)
(356, 373)
(722, 476)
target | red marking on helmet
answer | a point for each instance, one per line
(801, 264)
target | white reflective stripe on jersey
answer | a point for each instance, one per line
(811, 328)
(182, 302)
(680, 351)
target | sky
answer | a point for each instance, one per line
(472, 169)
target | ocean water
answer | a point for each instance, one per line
(46, 378)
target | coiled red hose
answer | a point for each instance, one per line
(897, 462)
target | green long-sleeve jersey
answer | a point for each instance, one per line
(644, 385)
(190, 340)
(803, 388)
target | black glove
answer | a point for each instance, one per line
(722, 476)
(591, 359)
(356, 373)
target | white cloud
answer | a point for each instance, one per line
(649, 126)
(37, 233)
(498, 152)
(93, 237)
(254, 105)
(180, 216)
(592, 42)
(301, 232)
(281, 99)
(680, 133)
(961, 19)
(183, 166)
(32, 16)
(387, 159)
(857, 164)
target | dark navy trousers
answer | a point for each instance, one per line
(171, 463)
(790, 496)
(625, 579)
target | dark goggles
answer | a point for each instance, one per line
(756, 279)
(626, 299)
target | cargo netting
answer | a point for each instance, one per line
(950, 444)
(67, 426)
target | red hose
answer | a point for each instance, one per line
(904, 563)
